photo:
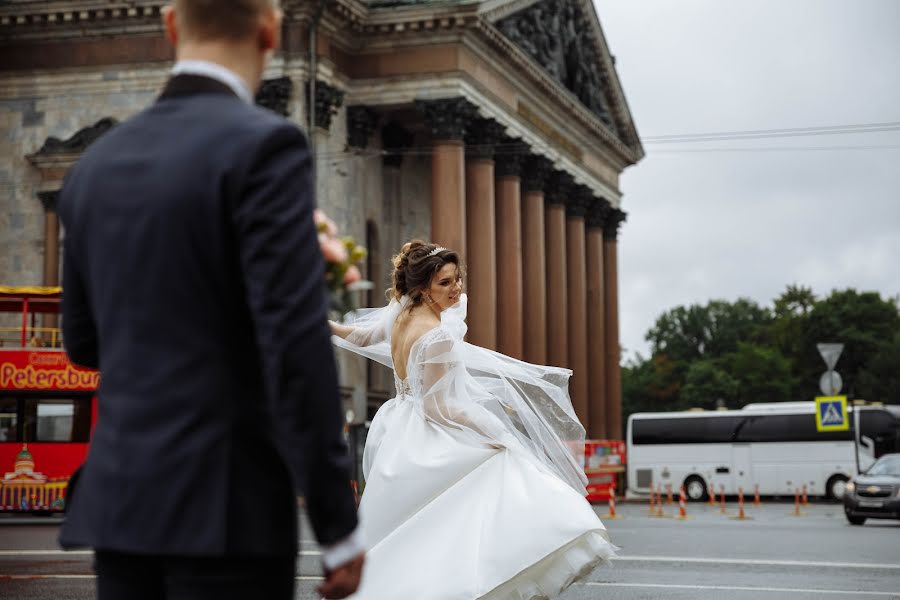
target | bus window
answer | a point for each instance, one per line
(786, 428)
(882, 428)
(57, 420)
(684, 430)
(9, 420)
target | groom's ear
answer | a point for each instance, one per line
(269, 35)
(170, 24)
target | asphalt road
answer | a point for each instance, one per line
(773, 555)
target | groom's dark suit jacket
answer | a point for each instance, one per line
(193, 280)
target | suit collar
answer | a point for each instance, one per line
(187, 84)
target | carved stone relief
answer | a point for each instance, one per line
(79, 141)
(275, 94)
(556, 34)
(328, 100)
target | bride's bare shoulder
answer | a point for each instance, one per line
(415, 326)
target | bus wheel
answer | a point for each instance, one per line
(695, 488)
(836, 486)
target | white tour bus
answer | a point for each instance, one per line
(773, 445)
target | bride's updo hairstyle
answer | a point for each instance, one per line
(415, 266)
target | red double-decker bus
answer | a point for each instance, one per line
(47, 404)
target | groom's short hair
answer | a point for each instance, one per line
(221, 19)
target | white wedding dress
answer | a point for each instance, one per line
(474, 487)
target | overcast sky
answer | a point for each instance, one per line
(732, 224)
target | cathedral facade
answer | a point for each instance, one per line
(496, 127)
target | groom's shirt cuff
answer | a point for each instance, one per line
(343, 551)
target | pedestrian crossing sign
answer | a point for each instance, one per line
(831, 413)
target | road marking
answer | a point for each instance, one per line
(717, 588)
(738, 588)
(91, 553)
(46, 552)
(44, 576)
(661, 559)
(87, 576)
(759, 562)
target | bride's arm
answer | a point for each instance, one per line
(342, 331)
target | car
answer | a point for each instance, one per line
(874, 494)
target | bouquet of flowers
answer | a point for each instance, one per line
(342, 258)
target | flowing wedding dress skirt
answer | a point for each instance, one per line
(474, 479)
(448, 520)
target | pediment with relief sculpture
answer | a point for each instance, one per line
(564, 37)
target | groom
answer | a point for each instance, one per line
(193, 281)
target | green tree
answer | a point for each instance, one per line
(762, 374)
(708, 386)
(695, 332)
(879, 380)
(864, 322)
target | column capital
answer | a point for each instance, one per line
(275, 94)
(578, 201)
(328, 100)
(536, 174)
(597, 213)
(48, 199)
(361, 122)
(559, 185)
(394, 139)
(447, 118)
(614, 218)
(510, 157)
(482, 135)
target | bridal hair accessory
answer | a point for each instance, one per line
(436, 251)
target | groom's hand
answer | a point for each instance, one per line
(343, 580)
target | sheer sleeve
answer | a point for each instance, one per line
(496, 400)
(371, 332)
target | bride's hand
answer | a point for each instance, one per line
(339, 330)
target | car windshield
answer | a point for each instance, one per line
(886, 465)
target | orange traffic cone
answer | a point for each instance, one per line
(682, 504)
(756, 495)
(612, 504)
(741, 516)
(659, 502)
(805, 499)
(669, 494)
(712, 495)
(797, 512)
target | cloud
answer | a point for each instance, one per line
(733, 224)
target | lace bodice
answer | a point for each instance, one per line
(404, 390)
(411, 387)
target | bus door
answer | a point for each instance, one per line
(741, 467)
(879, 434)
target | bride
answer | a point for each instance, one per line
(474, 482)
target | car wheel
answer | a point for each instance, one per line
(854, 520)
(695, 488)
(836, 487)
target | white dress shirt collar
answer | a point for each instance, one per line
(217, 72)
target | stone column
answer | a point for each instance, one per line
(557, 297)
(611, 299)
(597, 411)
(447, 119)
(481, 235)
(576, 276)
(534, 261)
(509, 250)
(51, 253)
